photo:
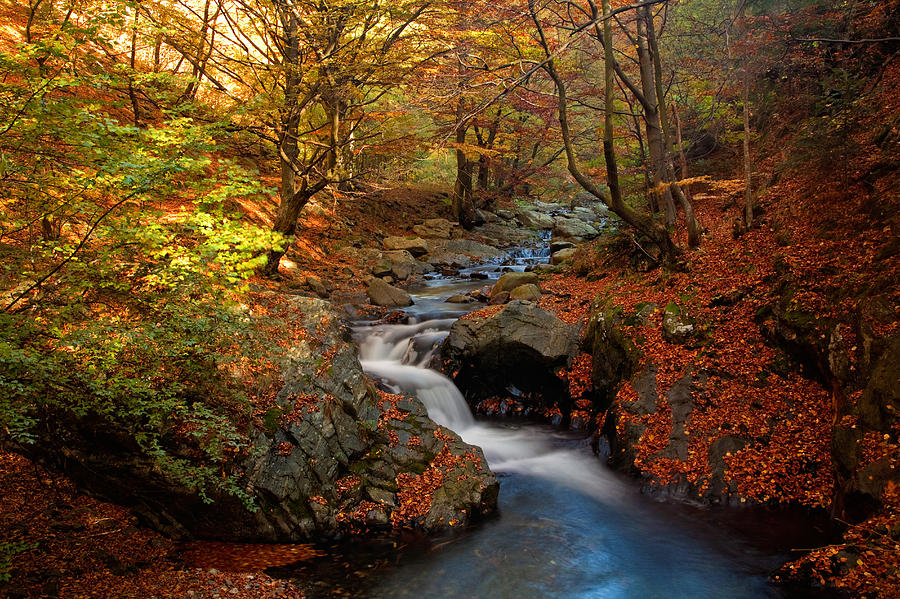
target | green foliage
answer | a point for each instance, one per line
(9, 550)
(121, 275)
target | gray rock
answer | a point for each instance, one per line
(528, 292)
(460, 252)
(534, 219)
(560, 245)
(677, 327)
(460, 298)
(381, 293)
(505, 214)
(439, 228)
(416, 246)
(572, 229)
(584, 214)
(562, 256)
(511, 280)
(521, 345)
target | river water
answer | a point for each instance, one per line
(568, 527)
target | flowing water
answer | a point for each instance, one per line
(568, 526)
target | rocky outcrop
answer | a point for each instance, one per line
(415, 246)
(534, 219)
(383, 294)
(866, 403)
(460, 252)
(521, 345)
(510, 280)
(437, 228)
(329, 454)
(572, 229)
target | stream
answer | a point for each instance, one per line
(568, 526)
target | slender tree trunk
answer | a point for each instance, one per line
(693, 227)
(655, 138)
(292, 200)
(609, 151)
(748, 165)
(462, 206)
(682, 159)
(132, 92)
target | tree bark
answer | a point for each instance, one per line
(693, 227)
(655, 138)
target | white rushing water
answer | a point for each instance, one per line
(400, 355)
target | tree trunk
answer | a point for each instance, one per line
(748, 190)
(655, 138)
(462, 205)
(693, 227)
(291, 201)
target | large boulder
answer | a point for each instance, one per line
(328, 454)
(562, 256)
(460, 252)
(534, 219)
(415, 246)
(383, 294)
(528, 292)
(400, 264)
(510, 280)
(572, 229)
(520, 345)
(439, 228)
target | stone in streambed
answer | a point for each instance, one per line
(511, 280)
(562, 256)
(383, 294)
(520, 345)
(528, 292)
(416, 246)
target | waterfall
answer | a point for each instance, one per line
(399, 356)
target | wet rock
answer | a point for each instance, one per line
(416, 246)
(459, 298)
(562, 256)
(460, 252)
(521, 345)
(383, 294)
(560, 245)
